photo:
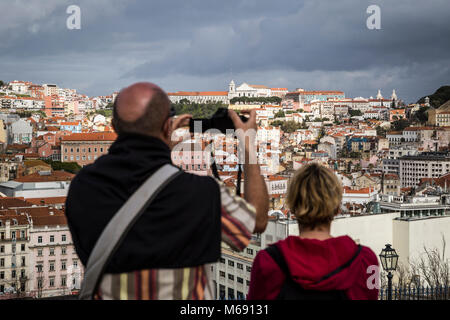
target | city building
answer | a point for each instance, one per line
(85, 148)
(425, 165)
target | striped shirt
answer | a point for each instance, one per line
(238, 223)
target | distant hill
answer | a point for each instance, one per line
(441, 96)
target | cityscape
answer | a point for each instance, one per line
(391, 156)
(224, 155)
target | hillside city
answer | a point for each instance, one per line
(392, 157)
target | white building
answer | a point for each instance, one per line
(248, 90)
(424, 165)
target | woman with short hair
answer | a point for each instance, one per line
(314, 265)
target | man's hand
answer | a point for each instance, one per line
(239, 124)
(181, 121)
(177, 123)
(255, 190)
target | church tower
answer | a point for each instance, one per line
(379, 96)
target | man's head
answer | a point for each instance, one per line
(142, 108)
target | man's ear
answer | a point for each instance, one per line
(167, 132)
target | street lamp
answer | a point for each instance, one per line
(389, 259)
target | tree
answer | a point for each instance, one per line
(2, 83)
(380, 131)
(71, 167)
(431, 269)
(279, 114)
(355, 113)
(198, 110)
(421, 115)
(400, 124)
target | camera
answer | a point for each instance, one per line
(220, 120)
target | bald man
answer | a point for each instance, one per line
(167, 253)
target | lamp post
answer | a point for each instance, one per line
(389, 260)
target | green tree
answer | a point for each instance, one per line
(355, 113)
(400, 124)
(279, 114)
(71, 167)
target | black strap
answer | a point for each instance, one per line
(345, 265)
(239, 178)
(277, 256)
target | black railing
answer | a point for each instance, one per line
(417, 293)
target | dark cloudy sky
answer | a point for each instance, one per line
(202, 44)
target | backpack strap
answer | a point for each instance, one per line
(345, 265)
(277, 256)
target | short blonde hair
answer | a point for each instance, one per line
(314, 195)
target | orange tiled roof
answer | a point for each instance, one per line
(48, 200)
(91, 136)
(199, 93)
(54, 176)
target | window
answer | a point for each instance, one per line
(240, 266)
(222, 274)
(222, 291)
(2, 262)
(52, 238)
(13, 235)
(22, 234)
(240, 280)
(230, 294)
(22, 273)
(75, 263)
(63, 250)
(52, 266)
(2, 249)
(250, 251)
(63, 281)
(13, 274)
(63, 237)
(2, 275)
(51, 282)
(249, 269)
(39, 267)
(2, 236)
(22, 247)
(63, 264)
(52, 252)
(222, 260)
(40, 283)
(39, 253)
(230, 277)
(230, 263)
(23, 261)
(40, 239)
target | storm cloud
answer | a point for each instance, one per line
(202, 45)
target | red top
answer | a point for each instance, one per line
(310, 259)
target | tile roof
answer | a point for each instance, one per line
(39, 177)
(91, 136)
